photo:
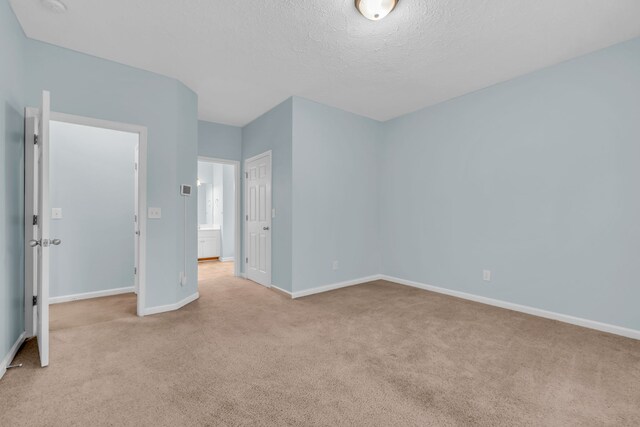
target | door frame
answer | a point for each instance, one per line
(245, 213)
(236, 174)
(141, 276)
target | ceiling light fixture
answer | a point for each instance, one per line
(55, 6)
(375, 10)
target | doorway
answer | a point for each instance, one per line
(85, 182)
(218, 212)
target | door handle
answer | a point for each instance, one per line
(265, 228)
(44, 242)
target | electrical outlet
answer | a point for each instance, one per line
(486, 275)
(335, 265)
(56, 213)
(154, 213)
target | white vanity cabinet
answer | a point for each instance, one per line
(208, 243)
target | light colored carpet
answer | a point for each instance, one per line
(375, 354)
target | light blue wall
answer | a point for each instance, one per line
(92, 181)
(229, 215)
(88, 86)
(535, 179)
(185, 141)
(12, 105)
(219, 141)
(335, 195)
(273, 131)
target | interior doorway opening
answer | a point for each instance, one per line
(85, 201)
(218, 211)
(93, 197)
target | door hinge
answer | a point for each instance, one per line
(35, 139)
(34, 299)
(135, 166)
(246, 174)
(246, 260)
(135, 218)
(135, 270)
(35, 220)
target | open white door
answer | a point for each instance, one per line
(43, 242)
(258, 218)
(136, 227)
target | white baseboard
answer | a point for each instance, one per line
(586, 323)
(171, 307)
(227, 259)
(12, 353)
(333, 286)
(87, 295)
(282, 290)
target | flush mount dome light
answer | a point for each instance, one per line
(55, 6)
(375, 10)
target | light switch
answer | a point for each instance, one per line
(56, 213)
(154, 213)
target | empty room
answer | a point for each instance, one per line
(320, 213)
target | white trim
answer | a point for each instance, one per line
(218, 160)
(586, 323)
(96, 123)
(333, 286)
(142, 188)
(565, 318)
(236, 167)
(226, 259)
(171, 307)
(281, 290)
(12, 353)
(88, 295)
(256, 157)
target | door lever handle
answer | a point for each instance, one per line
(265, 228)
(44, 243)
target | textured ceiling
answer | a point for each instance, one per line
(242, 57)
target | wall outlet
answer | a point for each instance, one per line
(486, 275)
(154, 213)
(56, 213)
(335, 265)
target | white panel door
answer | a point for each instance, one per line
(258, 219)
(43, 241)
